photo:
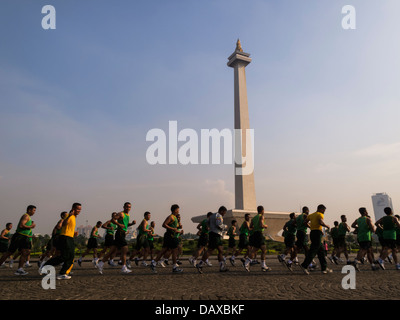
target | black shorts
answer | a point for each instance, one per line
(92, 243)
(335, 243)
(108, 240)
(203, 240)
(365, 245)
(341, 242)
(389, 243)
(55, 240)
(258, 239)
(215, 240)
(381, 241)
(243, 241)
(302, 239)
(49, 245)
(3, 247)
(290, 240)
(151, 244)
(397, 241)
(170, 241)
(231, 242)
(120, 240)
(19, 242)
(142, 242)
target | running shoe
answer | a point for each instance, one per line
(153, 267)
(381, 263)
(265, 269)
(326, 271)
(160, 263)
(232, 261)
(125, 270)
(100, 266)
(177, 270)
(21, 272)
(191, 260)
(63, 277)
(199, 268)
(304, 269)
(112, 263)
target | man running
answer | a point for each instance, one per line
(289, 233)
(121, 219)
(109, 238)
(22, 240)
(216, 225)
(52, 245)
(244, 231)
(5, 238)
(342, 231)
(142, 241)
(66, 244)
(301, 234)
(365, 228)
(232, 242)
(388, 224)
(171, 240)
(92, 244)
(334, 232)
(202, 242)
(316, 223)
(258, 240)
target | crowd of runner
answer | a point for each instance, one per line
(60, 249)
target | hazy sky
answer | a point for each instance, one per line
(77, 102)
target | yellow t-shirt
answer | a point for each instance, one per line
(69, 229)
(314, 219)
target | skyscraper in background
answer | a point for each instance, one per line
(380, 201)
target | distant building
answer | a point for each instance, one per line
(84, 230)
(380, 201)
(132, 234)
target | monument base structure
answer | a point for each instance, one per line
(274, 220)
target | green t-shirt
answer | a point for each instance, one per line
(244, 229)
(257, 223)
(300, 223)
(95, 234)
(7, 235)
(363, 230)
(230, 232)
(143, 231)
(290, 228)
(113, 226)
(335, 232)
(25, 232)
(124, 221)
(342, 230)
(389, 228)
(150, 236)
(204, 227)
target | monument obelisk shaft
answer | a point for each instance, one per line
(245, 194)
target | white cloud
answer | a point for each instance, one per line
(381, 150)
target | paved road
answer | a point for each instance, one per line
(237, 284)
